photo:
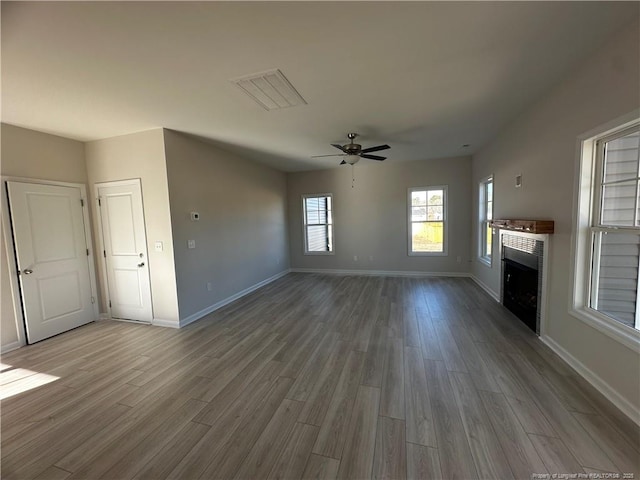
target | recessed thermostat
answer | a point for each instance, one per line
(195, 216)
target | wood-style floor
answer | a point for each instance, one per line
(311, 377)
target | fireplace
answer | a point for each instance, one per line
(522, 270)
(520, 285)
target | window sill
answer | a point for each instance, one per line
(427, 254)
(485, 261)
(318, 253)
(630, 337)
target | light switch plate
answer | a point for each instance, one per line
(191, 243)
(158, 246)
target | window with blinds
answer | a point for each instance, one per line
(318, 224)
(615, 228)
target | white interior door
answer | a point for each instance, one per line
(125, 250)
(52, 254)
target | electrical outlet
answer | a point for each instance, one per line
(371, 258)
(355, 258)
(158, 246)
(459, 259)
(209, 287)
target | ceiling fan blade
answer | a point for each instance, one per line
(339, 147)
(332, 155)
(373, 157)
(343, 162)
(375, 149)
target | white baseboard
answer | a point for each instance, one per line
(486, 288)
(598, 383)
(212, 308)
(382, 273)
(10, 346)
(159, 322)
(156, 321)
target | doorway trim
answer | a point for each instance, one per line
(101, 246)
(7, 232)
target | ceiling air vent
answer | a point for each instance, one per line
(270, 89)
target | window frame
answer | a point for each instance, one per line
(445, 221)
(588, 190)
(482, 211)
(598, 227)
(305, 225)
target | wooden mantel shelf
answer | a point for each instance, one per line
(528, 226)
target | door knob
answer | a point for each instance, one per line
(27, 271)
(141, 264)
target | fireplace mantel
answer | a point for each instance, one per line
(528, 226)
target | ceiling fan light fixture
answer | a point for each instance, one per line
(353, 152)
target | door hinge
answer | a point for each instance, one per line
(104, 252)
(93, 300)
(87, 252)
(109, 303)
(82, 202)
(99, 202)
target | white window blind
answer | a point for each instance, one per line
(318, 224)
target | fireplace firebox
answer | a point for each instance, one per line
(520, 285)
(523, 276)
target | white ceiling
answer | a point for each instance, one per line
(424, 77)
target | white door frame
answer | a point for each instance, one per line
(102, 260)
(11, 248)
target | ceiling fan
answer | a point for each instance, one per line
(353, 152)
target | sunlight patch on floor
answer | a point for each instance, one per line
(14, 381)
(4, 366)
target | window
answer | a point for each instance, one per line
(318, 224)
(615, 228)
(606, 293)
(486, 215)
(427, 221)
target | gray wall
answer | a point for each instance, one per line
(31, 154)
(141, 155)
(241, 237)
(542, 146)
(371, 218)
